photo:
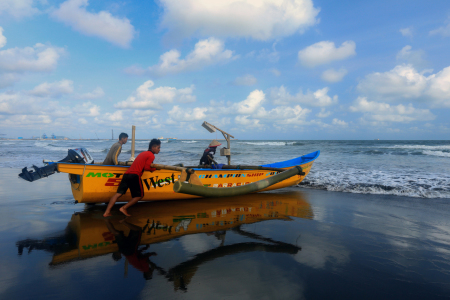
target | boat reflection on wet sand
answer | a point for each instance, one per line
(89, 235)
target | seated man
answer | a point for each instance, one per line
(112, 158)
(210, 151)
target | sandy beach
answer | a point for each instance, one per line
(296, 243)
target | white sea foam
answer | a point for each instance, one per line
(420, 147)
(264, 143)
(41, 144)
(411, 184)
(189, 142)
(436, 153)
(97, 150)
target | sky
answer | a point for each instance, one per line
(258, 69)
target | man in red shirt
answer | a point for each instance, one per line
(132, 178)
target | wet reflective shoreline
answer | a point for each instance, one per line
(297, 243)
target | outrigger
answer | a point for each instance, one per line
(96, 183)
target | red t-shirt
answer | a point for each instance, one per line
(139, 262)
(142, 162)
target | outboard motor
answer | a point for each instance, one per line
(76, 156)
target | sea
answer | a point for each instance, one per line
(401, 168)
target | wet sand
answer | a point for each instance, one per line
(293, 244)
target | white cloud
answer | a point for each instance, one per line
(147, 98)
(88, 109)
(404, 82)
(135, 70)
(331, 75)
(187, 114)
(414, 57)
(323, 113)
(95, 94)
(383, 112)
(251, 104)
(401, 82)
(275, 72)
(270, 55)
(407, 31)
(260, 20)
(325, 52)
(283, 114)
(206, 52)
(245, 121)
(245, 80)
(26, 120)
(339, 122)
(280, 96)
(439, 87)
(28, 110)
(144, 113)
(83, 121)
(54, 89)
(115, 116)
(18, 8)
(118, 31)
(39, 58)
(444, 30)
(2, 38)
(14, 61)
(8, 79)
(251, 113)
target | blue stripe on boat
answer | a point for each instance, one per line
(295, 162)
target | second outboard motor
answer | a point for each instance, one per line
(77, 156)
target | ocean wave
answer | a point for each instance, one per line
(264, 143)
(98, 150)
(378, 189)
(41, 144)
(436, 153)
(7, 143)
(189, 142)
(374, 152)
(420, 185)
(421, 147)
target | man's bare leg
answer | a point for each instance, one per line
(111, 203)
(133, 201)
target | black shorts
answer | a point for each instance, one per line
(132, 182)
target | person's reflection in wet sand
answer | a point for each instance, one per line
(128, 246)
(219, 234)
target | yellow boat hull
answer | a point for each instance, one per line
(98, 183)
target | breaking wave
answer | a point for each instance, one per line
(98, 150)
(437, 153)
(380, 183)
(189, 142)
(272, 143)
(421, 147)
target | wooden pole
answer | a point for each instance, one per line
(133, 141)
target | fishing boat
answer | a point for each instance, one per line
(95, 183)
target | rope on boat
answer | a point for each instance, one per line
(187, 188)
